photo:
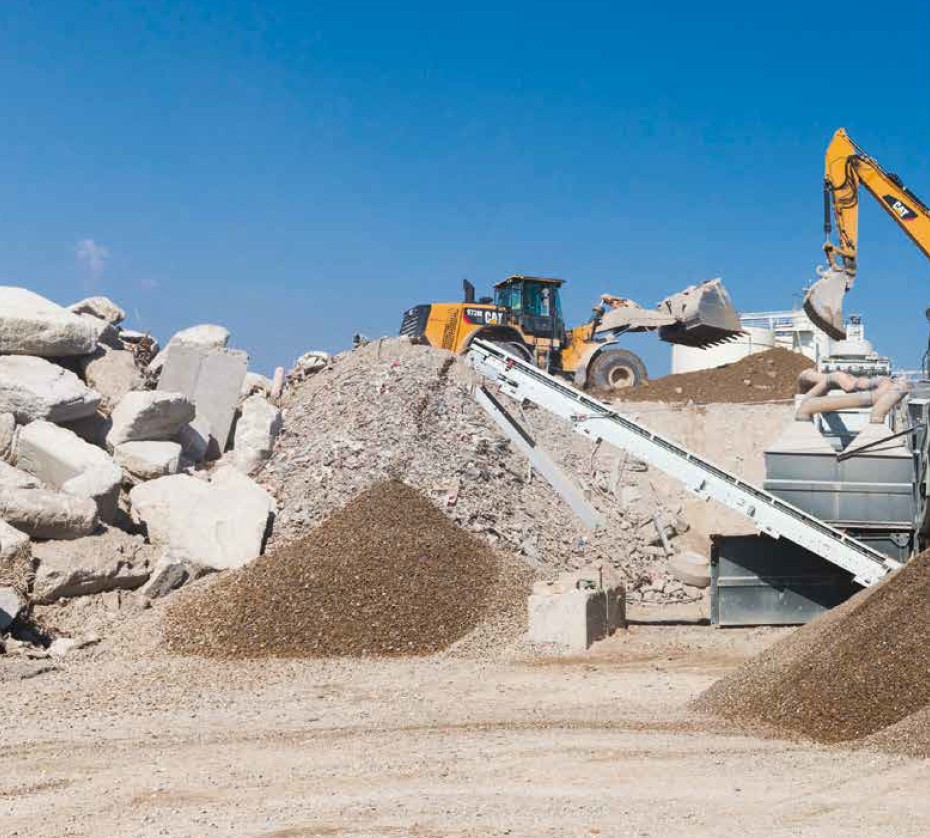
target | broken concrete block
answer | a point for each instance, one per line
(33, 388)
(171, 572)
(108, 561)
(255, 383)
(205, 336)
(309, 364)
(102, 308)
(218, 524)
(691, 568)
(148, 460)
(15, 558)
(112, 373)
(92, 429)
(211, 379)
(11, 603)
(14, 478)
(277, 383)
(7, 429)
(575, 610)
(149, 415)
(33, 325)
(256, 430)
(61, 647)
(195, 440)
(63, 460)
(46, 513)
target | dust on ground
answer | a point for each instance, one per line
(128, 739)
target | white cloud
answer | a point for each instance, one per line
(93, 255)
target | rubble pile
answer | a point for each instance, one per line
(121, 466)
(860, 670)
(393, 409)
(386, 575)
(765, 376)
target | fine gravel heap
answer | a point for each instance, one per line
(855, 671)
(387, 575)
(765, 376)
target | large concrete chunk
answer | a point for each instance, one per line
(205, 336)
(15, 557)
(32, 325)
(102, 308)
(107, 561)
(212, 380)
(149, 415)
(258, 426)
(33, 388)
(63, 460)
(148, 460)
(112, 373)
(7, 428)
(219, 525)
(46, 513)
(11, 603)
(14, 478)
(576, 609)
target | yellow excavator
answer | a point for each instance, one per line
(525, 317)
(846, 167)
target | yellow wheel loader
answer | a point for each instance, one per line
(525, 317)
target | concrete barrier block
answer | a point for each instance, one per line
(212, 379)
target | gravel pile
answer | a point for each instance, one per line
(393, 409)
(387, 575)
(855, 671)
(765, 376)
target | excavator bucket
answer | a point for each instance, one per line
(703, 315)
(823, 302)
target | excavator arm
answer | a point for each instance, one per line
(846, 168)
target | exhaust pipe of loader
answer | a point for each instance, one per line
(823, 302)
(704, 315)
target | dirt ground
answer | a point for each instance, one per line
(123, 741)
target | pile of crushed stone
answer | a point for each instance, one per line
(387, 575)
(765, 376)
(858, 670)
(393, 409)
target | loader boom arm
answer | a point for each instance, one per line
(846, 167)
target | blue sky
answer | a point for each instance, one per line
(301, 171)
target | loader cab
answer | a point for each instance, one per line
(534, 303)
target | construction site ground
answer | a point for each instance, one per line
(111, 741)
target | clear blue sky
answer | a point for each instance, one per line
(300, 171)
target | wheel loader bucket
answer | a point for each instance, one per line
(704, 315)
(823, 302)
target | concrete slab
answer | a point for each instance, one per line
(574, 613)
(212, 379)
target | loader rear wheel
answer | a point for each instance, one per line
(616, 369)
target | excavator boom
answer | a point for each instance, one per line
(846, 167)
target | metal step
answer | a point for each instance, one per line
(592, 418)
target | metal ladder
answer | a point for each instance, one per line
(524, 382)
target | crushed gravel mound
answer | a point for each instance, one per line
(387, 575)
(857, 670)
(393, 409)
(765, 376)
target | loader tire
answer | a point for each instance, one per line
(516, 348)
(614, 370)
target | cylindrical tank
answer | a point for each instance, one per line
(689, 358)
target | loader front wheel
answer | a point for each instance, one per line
(614, 370)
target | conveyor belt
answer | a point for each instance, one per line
(590, 417)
